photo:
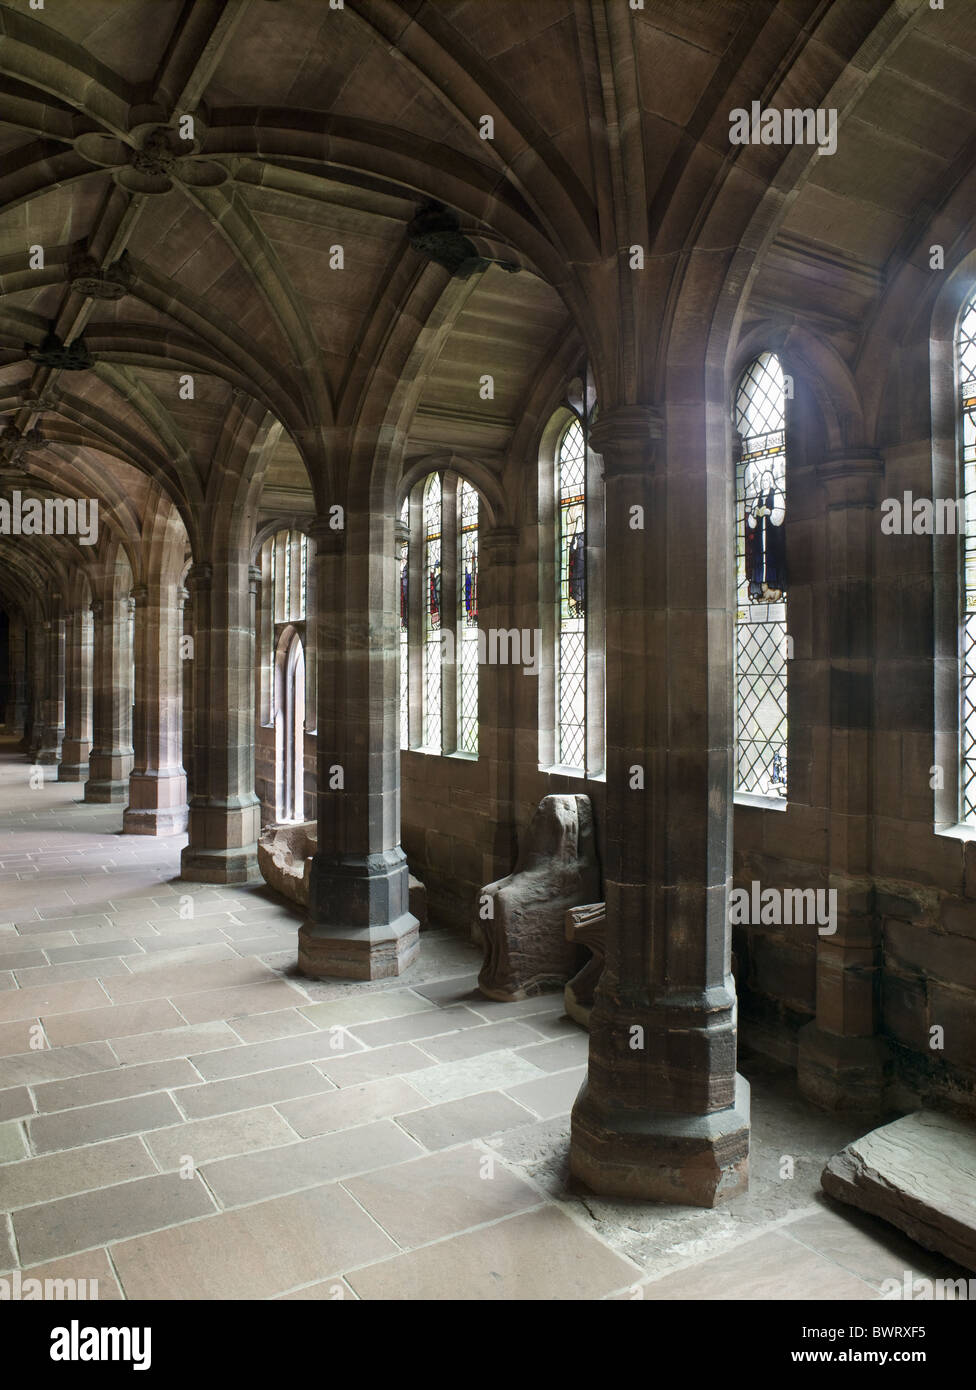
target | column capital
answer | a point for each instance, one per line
(97, 608)
(328, 540)
(501, 543)
(200, 576)
(850, 477)
(139, 593)
(627, 436)
(401, 535)
(254, 577)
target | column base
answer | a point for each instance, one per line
(656, 1156)
(358, 953)
(359, 924)
(223, 844)
(157, 804)
(49, 771)
(154, 821)
(107, 793)
(842, 1073)
(73, 772)
(220, 865)
(74, 767)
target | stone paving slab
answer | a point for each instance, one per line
(919, 1173)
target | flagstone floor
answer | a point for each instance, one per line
(183, 1116)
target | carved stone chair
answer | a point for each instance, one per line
(526, 949)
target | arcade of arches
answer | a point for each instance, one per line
(340, 343)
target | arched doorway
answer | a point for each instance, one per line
(290, 727)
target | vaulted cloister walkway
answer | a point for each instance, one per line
(185, 1117)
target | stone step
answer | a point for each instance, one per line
(919, 1173)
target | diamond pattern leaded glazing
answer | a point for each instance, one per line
(571, 644)
(468, 621)
(760, 644)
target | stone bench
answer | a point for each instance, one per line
(585, 926)
(285, 860)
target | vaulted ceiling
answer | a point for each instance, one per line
(261, 247)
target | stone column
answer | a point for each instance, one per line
(359, 925)
(841, 1058)
(48, 751)
(16, 712)
(76, 749)
(225, 815)
(663, 1114)
(157, 786)
(110, 761)
(37, 664)
(498, 701)
(187, 644)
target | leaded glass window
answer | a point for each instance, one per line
(760, 630)
(432, 613)
(289, 576)
(966, 348)
(404, 556)
(571, 618)
(467, 647)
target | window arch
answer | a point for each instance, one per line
(286, 667)
(290, 728)
(966, 377)
(761, 582)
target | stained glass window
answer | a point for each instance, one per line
(467, 648)
(760, 630)
(303, 577)
(432, 613)
(404, 633)
(571, 621)
(966, 348)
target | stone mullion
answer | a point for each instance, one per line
(663, 1114)
(841, 1057)
(157, 786)
(110, 761)
(224, 815)
(76, 749)
(358, 925)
